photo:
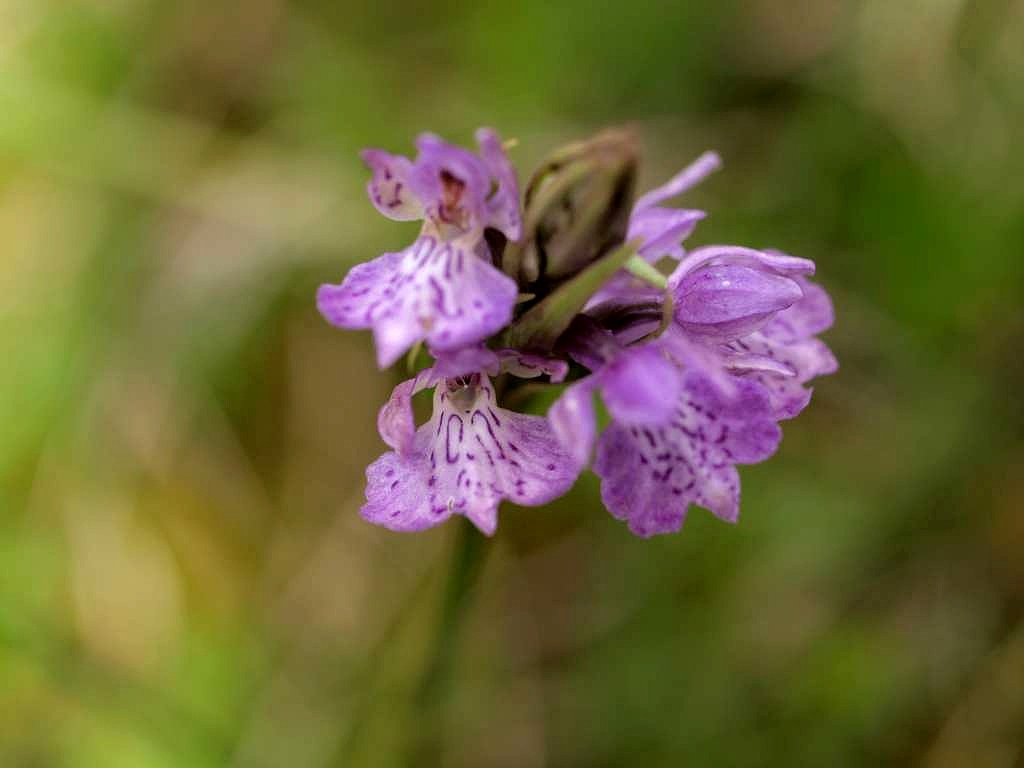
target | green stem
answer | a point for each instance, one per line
(639, 267)
(467, 561)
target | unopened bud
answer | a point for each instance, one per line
(577, 208)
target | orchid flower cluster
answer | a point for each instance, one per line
(696, 355)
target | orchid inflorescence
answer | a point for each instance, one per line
(695, 369)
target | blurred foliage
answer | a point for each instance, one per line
(184, 578)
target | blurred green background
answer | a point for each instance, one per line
(184, 578)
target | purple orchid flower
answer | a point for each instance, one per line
(443, 288)
(650, 475)
(706, 395)
(676, 433)
(695, 371)
(471, 454)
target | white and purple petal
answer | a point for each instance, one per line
(784, 355)
(389, 188)
(434, 290)
(452, 363)
(638, 385)
(650, 475)
(452, 182)
(470, 456)
(782, 368)
(573, 420)
(395, 420)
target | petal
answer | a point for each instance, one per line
(432, 290)
(687, 178)
(697, 355)
(573, 421)
(465, 360)
(650, 475)
(395, 421)
(466, 460)
(746, 429)
(389, 189)
(795, 356)
(801, 361)
(649, 503)
(503, 203)
(395, 498)
(365, 291)
(527, 366)
(662, 230)
(783, 262)
(439, 161)
(749, 362)
(393, 335)
(811, 315)
(640, 386)
(461, 298)
(774, 261)
(729, 301)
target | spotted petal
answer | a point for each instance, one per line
(573, 420)
(639, 387)
(449, 179)
(437, 291)
(649, 476)
(390, 189)
(784, 355)
(468, 458)
(395, 421)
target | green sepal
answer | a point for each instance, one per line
(539, 327)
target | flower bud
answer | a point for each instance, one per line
(730, 300)
(577, 208)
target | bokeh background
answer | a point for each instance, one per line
(184, 578)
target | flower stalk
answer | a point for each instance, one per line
(467, 560)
